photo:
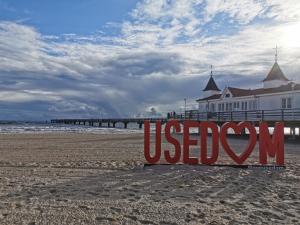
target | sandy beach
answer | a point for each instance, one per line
(65, 178)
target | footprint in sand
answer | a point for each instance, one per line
(200, 214)
(146, 222)
(131, 217)
(92, 193)
(167, 223)
(52, 191)
(103, 219)
(135, 211)
(18, 205)
(117, 210)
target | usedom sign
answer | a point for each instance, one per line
(269, 145)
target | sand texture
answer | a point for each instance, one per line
(100, 179)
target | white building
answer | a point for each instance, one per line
(278, 94)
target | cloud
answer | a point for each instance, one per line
(160, 56)
(242, 11)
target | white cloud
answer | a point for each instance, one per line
(242, 11)
(284, 11)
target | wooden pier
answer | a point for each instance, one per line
(290, 117)
(108, 122)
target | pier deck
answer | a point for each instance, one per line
(110, 122)
(290, 117)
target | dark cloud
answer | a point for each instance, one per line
(141, 64)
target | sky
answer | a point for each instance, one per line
(116, 58)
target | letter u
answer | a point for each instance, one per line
(156, 157)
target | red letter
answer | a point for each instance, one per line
(173, 141)
(187, 142)
(156, 157)
(271, 146)
(238, 129)
(215, 142)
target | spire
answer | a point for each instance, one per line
(211, 85)
(276, 54)
(276, 74)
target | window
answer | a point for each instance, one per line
(286, 103)
(236, 105)
(219, 107)
(230, 106)
(252, 104)
(227, 95)
(212, 107)
(283, 103)
(223, 107)
(244, 105)
(289, 103)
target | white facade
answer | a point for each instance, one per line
(278, 93)
(274, 83)
(274, 101)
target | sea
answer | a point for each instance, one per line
(15, 127)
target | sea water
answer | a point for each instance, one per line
(43, 127)
(40, 127)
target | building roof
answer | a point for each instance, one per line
(211, 85)
(217, 96)
(275, 74)
(238, 92)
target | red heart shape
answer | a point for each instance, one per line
(238, 129)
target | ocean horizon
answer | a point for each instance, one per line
(19, 127)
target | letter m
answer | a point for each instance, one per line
(271, 145)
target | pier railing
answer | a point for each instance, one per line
(249, 115)
(291, 117)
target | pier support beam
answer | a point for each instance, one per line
(125, 125)
(293, 133)
(108, 124)
(140, 125)
(114, 124)
(243, 132)
(100, 124)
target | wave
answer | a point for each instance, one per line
(13, 128)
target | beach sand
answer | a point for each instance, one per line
(99, 179)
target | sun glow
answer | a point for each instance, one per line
(291, 35)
